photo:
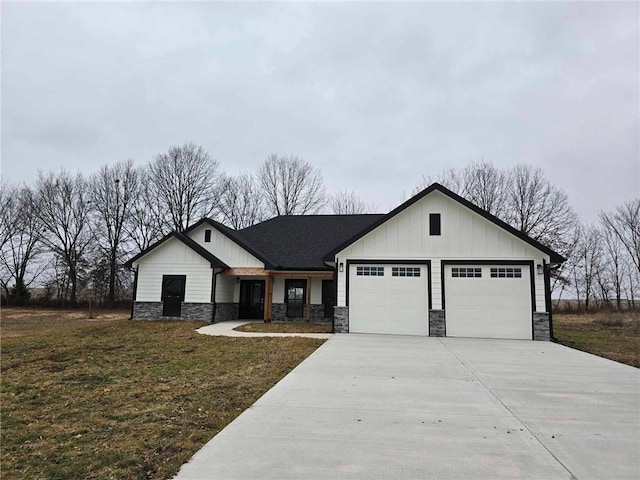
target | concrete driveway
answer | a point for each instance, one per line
(367, 407)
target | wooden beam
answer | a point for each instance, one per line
(268, 301)
(308, 311)
(327, 275)
(251, 272)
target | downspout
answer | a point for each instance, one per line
(135, 290)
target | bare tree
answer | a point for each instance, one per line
(587, 264)
(113, 193)
(481, 183)
(346, 202)
(19, 254)
(183, 182)
(291, 186)
(64, 216)
(624, 222)
(613, 268)
(145, 225)
(240, 203)
(538, 208)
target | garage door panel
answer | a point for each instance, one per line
(387, 304)
(488, 307)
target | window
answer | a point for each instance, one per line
(173, 287)
(506, 272)
(434, 224)
(405, 271)
(370, 271)
(295, 292)
(207, 236)
(466, 272)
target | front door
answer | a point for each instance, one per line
(251, 299)
(328, 298)
(172, 294)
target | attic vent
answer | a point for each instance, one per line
(207, 236)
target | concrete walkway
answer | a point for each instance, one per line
(226, 329)
(382, 407)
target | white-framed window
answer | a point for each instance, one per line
(405, 271)
(370, 271)
(466, 272)
(507, 272)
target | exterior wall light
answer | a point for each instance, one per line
(539, 269)
(341, 267)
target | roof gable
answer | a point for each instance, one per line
(555, 257)
(235, 236)
(213, 260)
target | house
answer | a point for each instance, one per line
(436, 265)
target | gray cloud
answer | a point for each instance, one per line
(375, 95)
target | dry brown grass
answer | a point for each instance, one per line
(286, 327)
(112, 398)
(608, 334)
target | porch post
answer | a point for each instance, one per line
(307, 314)
(268, 301)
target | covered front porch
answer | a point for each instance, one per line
(274, 295)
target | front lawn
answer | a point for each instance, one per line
(112, 398)
(286, 327)
(611, 335)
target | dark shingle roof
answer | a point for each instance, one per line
(300, 241)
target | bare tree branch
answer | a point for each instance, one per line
(64, 217)
(346, 202)
(183, 183)
(291, 186)
(113, 193)
(240, 203)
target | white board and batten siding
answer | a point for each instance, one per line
(225, 248)
(466, 236)
(174, 258)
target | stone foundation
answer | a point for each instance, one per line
(437, 323)
(541, 330)
(226, 311)
(279, 314)
(189, 311)
(341, 319)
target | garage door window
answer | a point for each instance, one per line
(370, 271)
(405, 271)
(466, 272)
(506, 273)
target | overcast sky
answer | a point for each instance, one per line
(374, 94)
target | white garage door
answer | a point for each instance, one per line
(388, 299)
(488, 301)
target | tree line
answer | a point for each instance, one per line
(72, 233)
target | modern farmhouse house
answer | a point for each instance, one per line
(436, 265)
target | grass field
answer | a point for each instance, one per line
(286, 327)
(611, 335)
(112, 398)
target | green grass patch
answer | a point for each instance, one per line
(286, 327)
(112, 398)
(613, 335)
